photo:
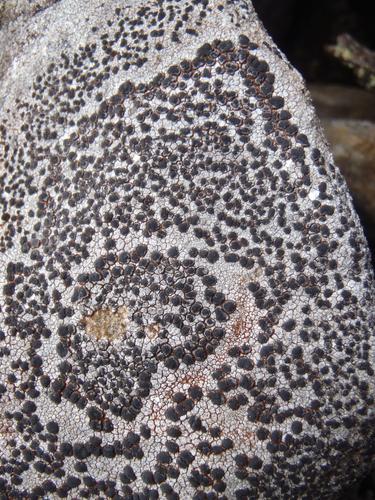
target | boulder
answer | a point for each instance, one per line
(187, 301)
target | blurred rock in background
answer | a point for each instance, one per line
(340, 101)
(357, 57)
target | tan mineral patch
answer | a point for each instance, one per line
(152, 331)
(7, 430)
(110, 324)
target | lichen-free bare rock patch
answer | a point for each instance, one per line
(187, 305)
(107, 324)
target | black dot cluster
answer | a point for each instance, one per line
(196, 207)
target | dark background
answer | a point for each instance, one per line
(302, 29)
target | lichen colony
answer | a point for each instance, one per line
(187, 305)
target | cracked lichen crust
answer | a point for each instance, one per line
(187, 301)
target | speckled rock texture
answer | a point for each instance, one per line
(187, 306)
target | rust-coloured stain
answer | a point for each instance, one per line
(107, 323)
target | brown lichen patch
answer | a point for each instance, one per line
(7, 429)
(241, 324)
(240, 327)
(152, 331)
(107, 323)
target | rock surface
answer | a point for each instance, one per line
(348, 118)
(187, 300)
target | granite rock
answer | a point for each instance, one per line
(187, 305)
